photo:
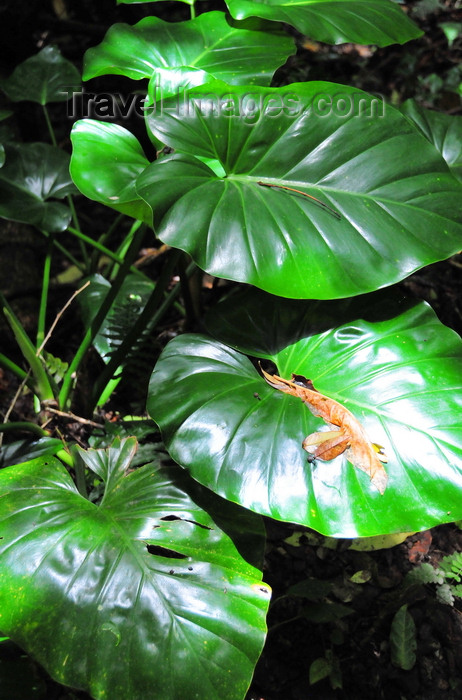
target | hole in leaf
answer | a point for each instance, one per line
(170, 518)
(164, 552)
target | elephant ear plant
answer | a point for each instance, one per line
(316, 396)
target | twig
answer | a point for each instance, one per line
(58, 316)
(71, 416)
(305, 194)
(13, 402)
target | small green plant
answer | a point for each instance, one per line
(446, 577)
(142, 579)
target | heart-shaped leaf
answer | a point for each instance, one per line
(380, 187)
(236, 52)
(46, 77)
(142, 595)
(106, 160)
(444, 131)
(398, 372)
(34, 174)
(378, 22)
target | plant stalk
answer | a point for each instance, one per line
(64, 394)
(149, 317)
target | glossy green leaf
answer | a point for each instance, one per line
(403, 640)
(142, 595)
(394, 366)
(46, 77)
(128, 305)
(25, 450)
(444, 131)
(388, 189)
(378, 22)
(33, 175)
(236, 52)
(106, 160)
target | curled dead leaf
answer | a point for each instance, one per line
(347, 435)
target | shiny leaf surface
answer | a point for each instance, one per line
(378, 22)
(33, 175)
(25, 450)
(394, 366)
(141, 595)
(106, 160)
(236, 52)
(46, 77)
(444, 131)
(126, 309)
(381, 188)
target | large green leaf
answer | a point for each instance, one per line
(34, 174)
(106, 160)
(46, 77)
(236, 52)
(378, 22)
(394, 366)
(395, 205)
(444, 131)
(142, 595)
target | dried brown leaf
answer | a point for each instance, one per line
(347, 435)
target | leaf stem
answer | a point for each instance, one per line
(49, 126)
(15, 369)
(106, 251)
(149, 318)
(66, 253)
(69, 199)
(24, 425)
(44, 293)
(63, 398)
